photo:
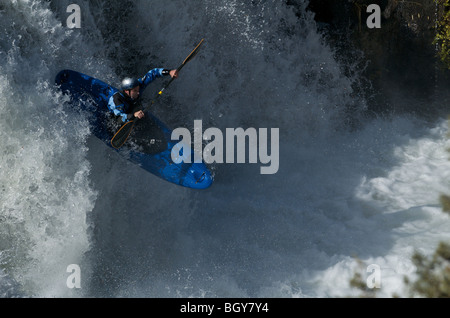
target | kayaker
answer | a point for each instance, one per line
(126, 104)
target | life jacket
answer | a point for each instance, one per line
(124, 106)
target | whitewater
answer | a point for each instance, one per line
(353, 188)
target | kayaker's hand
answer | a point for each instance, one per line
(139, 114)
(174, 73)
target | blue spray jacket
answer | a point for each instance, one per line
(121, 104)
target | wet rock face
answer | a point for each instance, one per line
(415, 15)
(401, 53)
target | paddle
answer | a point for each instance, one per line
(124, 132)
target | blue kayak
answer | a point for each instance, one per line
(150, 145)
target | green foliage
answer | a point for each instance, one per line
(433, 274)
(445, 202)
(442, 37)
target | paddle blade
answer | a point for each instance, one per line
(193, 53)
(122, 135)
